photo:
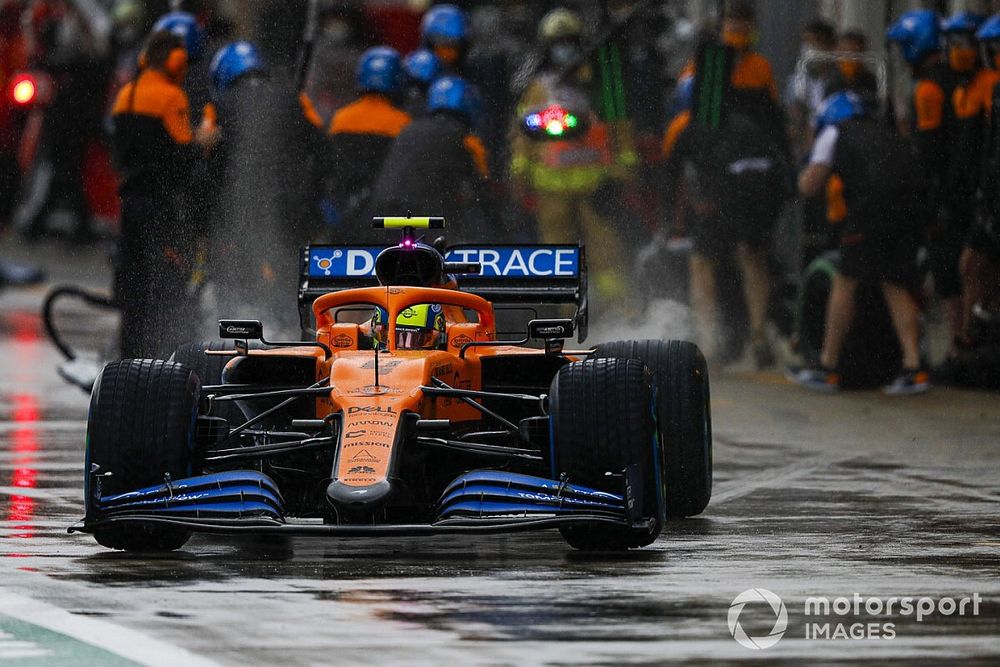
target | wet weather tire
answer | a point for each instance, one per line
(684, 417)
(602, 422)
(208, 368)
(141, 427)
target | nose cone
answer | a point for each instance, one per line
(358, 498)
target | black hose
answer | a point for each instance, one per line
(98, 300)
(305, 54)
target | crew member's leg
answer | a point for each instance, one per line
(757, 218)
(980, 266)
(906, 321)
(757, 292)
(557, 221)
(839, 316)
(713, 241)
(900, 279)
(945, 251)
(975, 268)
(704, 303)
(856, 264)
(604, 255)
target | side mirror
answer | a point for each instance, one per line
(550, 329)
(554, 123)
(241, 329)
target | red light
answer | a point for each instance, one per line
(21, 510)
(23, 91)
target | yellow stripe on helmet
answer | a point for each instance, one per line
(416, 316)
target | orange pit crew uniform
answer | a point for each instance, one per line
(154, 153)
(360, 136)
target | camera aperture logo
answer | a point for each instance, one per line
(855, 618)
(758, 596)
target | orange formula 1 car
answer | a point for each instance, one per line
(403, 414)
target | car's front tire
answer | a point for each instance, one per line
(684, 417)
(141, 427)
(602, 422)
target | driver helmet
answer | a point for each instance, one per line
(419, 327)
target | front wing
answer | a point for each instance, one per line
(246, 501)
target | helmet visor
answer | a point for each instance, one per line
(416, 339)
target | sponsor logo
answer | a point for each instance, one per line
(361, 470)
(759, 597)
(384, 367)
(325, 264)
(459, 341)
(367, 443)
(387, 409)
(352, 436)
(373, 422)
(372, 390)
(342, 340)
(364, 456)
(442, 370)
(496, 262)
(521, 262)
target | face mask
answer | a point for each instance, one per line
(563, 54)
(449, 55)
(962, 59)
(337, 32)
(807, 50)
(849, 68)
(181, 74)
(736, 39)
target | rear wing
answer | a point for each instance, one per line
(511, 277)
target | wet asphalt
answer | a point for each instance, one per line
(815, 496)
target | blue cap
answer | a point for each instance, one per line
(186, 27)
(453, 93)
(233, 61)
(990, 30)
(918, 33)
(962, 22)
(422, 66)
(380, 70)
(444, 24)
(839, 107)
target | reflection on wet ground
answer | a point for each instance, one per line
(815, 496)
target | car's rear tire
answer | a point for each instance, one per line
(602, 422)
(141, 427)
(684, 417)
(208, 368)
